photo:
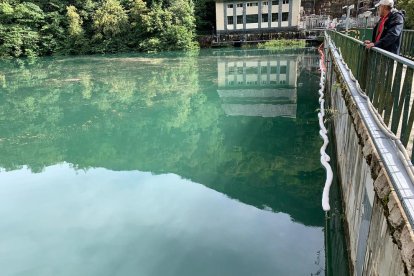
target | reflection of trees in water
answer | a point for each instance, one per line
(135, 114)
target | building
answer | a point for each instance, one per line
(257, 16)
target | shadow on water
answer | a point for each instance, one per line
(193, 116)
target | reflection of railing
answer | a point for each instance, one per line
(388, 81)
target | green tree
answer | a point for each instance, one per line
(171, 28)
(76, 39)
(44, 27)
(137, 11)
(110, 19)
(19, 29)
(110, 22)
(205, 15)
(408, 6)
(75, 22)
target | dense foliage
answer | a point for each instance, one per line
(44, 27)
(408, 6)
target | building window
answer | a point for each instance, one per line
(275, 3)
(240, 19)
(240, 5)
(265, 17)
(283, 69)
(252, 4)
(285, 1)
(252, 18)
(273, 69)
(285, 16)
(229, 20)
(229, 6)
(265, 3)
(251, 70)
(263, 70)
(275, 17)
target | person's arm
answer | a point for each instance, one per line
(374, 31)
(393, 33)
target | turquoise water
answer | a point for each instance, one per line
(161, 164)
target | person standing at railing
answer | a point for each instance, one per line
(387, 32)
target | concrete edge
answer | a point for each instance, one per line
(398, 223)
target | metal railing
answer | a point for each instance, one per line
(387, 79)
(407, 43)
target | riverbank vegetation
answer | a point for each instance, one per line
(282, 44)
(43, 27)
(408, 7)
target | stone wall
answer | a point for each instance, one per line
(380, 239)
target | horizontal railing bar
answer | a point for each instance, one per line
(395, 57)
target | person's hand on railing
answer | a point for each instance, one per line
(368, 44)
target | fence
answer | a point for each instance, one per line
(407, 43)
(388, 81)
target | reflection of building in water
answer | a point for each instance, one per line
(258, 85)
(309, 64)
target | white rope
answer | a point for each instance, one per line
(323, 133)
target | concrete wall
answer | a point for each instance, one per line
(380, 239)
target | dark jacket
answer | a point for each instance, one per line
(390, 39)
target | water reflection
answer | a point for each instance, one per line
(153, 115)
(258, 85)
(183, 121)
(135, 223)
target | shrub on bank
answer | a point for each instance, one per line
(41, 27)
(282, 44)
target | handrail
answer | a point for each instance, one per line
(387, 80)
(392, 152)
(407, 41)
(397, 58)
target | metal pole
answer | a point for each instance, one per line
(347, 19)
(365, 30)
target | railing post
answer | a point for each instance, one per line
(363, 68)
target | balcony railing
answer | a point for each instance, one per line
(387, 79)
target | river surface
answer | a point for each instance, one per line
(162, 164)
